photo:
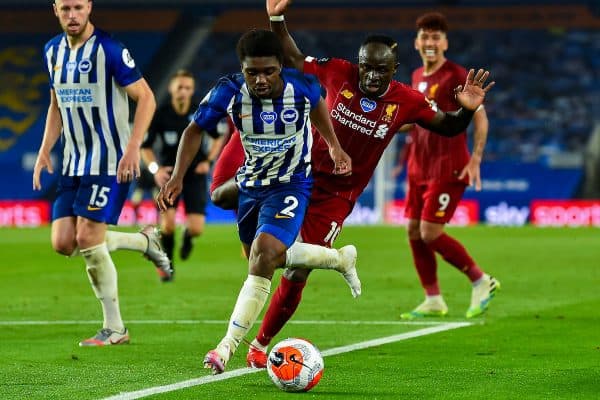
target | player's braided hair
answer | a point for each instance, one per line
(259, 43)
(433, 21)
(383, 39)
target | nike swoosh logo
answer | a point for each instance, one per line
(245, 115)
(238, 325)
(90, 208)
(279, 216)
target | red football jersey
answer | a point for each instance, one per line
(364, 126)
(433, 157)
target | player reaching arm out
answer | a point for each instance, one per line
(470, 95)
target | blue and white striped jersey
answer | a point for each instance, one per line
(276, 133)
(89, 85)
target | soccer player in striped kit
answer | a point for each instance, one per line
(91, 77)
(270, 106)
(367, 108)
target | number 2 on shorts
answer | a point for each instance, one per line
(289, 210)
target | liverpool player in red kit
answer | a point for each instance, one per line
(366, 108)
(439, 169)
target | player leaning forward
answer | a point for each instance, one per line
(270, 106)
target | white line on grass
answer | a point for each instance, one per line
(220, 322)
(244, 371)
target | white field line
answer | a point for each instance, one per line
(218, 322)
(244, 371)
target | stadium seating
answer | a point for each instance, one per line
(543, 102)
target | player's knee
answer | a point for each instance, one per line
(414, 233)
(429, 236)
(64, 246)
(264, 259)
(194, 231)
(218, 199)
(225, 196)
(167, 227)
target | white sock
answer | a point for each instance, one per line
(126, 240)
(249, 304)
(121, 240)
(480, 280)
(437, 297)
(103, 277)
(311, 256)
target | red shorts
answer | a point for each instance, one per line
(324, 218)
(433, 202)
(229, 161)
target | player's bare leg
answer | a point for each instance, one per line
(266, 253)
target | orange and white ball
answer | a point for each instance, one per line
(295, 365)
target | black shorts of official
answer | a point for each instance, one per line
(194, 193)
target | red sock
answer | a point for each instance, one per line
(283, 304)
(457, 255)
(426, 265)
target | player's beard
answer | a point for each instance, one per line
(78, 33)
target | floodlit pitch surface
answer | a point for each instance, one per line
(539, 339)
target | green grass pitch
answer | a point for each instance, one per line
(539, 340)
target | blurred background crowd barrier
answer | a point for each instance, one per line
(542, 160)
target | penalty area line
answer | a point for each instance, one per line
(329, 352)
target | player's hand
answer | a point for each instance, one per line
(168, 193)
(473, 171)
(202, 168)
(277, 7)
(342, 161)
(162, 175)
(42, 162)
(471, 95)
(129, 165)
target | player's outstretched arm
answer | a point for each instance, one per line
(470, 97)
(319, 116)
(293, 57)
(188, 147)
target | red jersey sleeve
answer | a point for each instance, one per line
(326, 69)
(423, 110)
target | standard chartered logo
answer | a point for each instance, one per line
(358, 122)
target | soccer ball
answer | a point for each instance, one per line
(295, 365)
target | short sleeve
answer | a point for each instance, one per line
(423, 111)
(326, 69)
(314, 90)
(48, 61)
(121, 63)
(213, 107)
